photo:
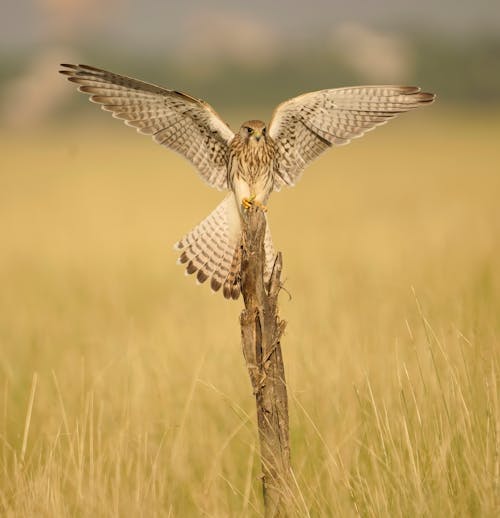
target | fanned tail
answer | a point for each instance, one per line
(212, 250)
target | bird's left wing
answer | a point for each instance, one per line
(306, 126)
(174, 119)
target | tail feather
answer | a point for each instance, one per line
(270, 253)
(232, 284)
(212, 250)
(208, 250)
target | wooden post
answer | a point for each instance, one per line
(261, 330)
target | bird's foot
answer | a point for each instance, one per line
(248, 202)
(260, 205)
(252, 202)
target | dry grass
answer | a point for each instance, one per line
(123, 388)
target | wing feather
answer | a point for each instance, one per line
(306, 126)
(176, 120)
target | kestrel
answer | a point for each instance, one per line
(252, 163)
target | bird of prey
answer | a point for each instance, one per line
(250, 163)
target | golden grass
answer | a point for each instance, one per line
(123, 388)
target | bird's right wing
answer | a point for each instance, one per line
(174, 119)
(306, 126)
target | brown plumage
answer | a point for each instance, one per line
(251, 163)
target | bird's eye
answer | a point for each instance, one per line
(250, 130)
(264, 131)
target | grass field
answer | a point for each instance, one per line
(123, 390)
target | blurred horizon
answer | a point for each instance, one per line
(151, 22)
(239, 57)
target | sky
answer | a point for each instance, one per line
(147, 24)
(371, 37)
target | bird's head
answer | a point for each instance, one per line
(253, 131)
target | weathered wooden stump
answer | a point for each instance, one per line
(261, 330)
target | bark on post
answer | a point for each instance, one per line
(261, 330)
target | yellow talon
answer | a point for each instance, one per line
(252, 202)
(248, 202)
(261, 206)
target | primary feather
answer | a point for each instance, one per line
(306, 126)
(174, 119)
(251, 163)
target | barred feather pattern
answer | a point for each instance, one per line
(251, 163)
(208, 250)
(187, 125)
(306, 126)
(212, 250)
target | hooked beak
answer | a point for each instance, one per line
(257, 135)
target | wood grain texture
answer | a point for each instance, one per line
(261, 331)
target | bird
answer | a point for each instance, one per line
(253, 162)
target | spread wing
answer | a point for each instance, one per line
(175, 120)
(306, 126)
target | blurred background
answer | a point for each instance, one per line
(122, 384)
(241, 55)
